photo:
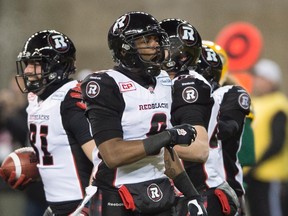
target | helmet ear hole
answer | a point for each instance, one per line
(123, 52)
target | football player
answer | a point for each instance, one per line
(191, 96)
(129, 111)
(58, 129)
(192, 103)
(234, 105)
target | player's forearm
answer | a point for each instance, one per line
(117, 152)
(173, 167)
(198, 151)
(88, 149)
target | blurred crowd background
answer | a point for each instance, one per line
(87, 22)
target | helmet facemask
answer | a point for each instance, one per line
(52, 53)
(51, 72)
(210, 66)
(139, 58)
(212, 75)
(186, 45)
(126, 31)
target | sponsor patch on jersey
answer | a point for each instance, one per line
(154, 192)
(92, 89)
(39, 117)
(166, 82)
(58, 95)
(244, 101)
(190, 94)
(187, 83)
(127, 86)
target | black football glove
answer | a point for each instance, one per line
(182, 134)
(196, 207)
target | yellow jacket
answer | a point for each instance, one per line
(265, 107)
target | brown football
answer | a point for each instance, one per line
(23, 161)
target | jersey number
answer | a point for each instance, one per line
(47, 158)
(158, 124)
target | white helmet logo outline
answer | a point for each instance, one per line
(188, 33)
(120, 24)
(58, 42)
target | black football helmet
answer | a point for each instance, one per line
(222, 54)
(122, 35)
(210, 66)
(186, 44)
(56, 54)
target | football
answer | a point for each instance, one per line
(22, 161)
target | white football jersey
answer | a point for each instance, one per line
(56, 165)
(241, 101)
(146, 110)
(214, 165)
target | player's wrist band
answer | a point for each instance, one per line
(153, 144)
(184, 185)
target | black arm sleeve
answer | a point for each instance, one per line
(194, 114)
(229, 124)
(227, 129)
(74, 121)
(233, 109)
(192, 102)
(105, 124)
(184, 185)
(105, 106)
